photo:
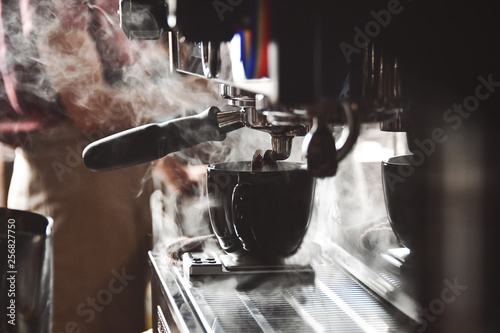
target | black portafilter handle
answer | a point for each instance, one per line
(153, 141)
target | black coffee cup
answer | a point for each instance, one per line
(402, 182)
(265, 214)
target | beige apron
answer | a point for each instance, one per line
(102, 231)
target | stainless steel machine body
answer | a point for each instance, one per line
(26, 267)
(326, 300)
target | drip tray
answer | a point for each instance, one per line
(323, 299)
(201, 264)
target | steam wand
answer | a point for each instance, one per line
(323, 153)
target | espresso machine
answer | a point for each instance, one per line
(295, 68)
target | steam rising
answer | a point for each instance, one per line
(121, 84)
(78, 53)
(349, 208)
(116, 84)
(73, 56)
(177, 214)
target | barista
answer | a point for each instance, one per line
(65, 82)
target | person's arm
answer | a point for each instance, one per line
(183, 177)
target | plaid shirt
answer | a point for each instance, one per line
(28, 100)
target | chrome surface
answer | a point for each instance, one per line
(289, 118)
(394, 123)
(229, 119)
(190, 58)
(282, 145)
(162, 325)
(376, 86)
(227, 91)
(210, 59)
(254, 113)
(346, 142)
(331, 300)
(256, 119)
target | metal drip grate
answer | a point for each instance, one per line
(228, 313)
(332, 301)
